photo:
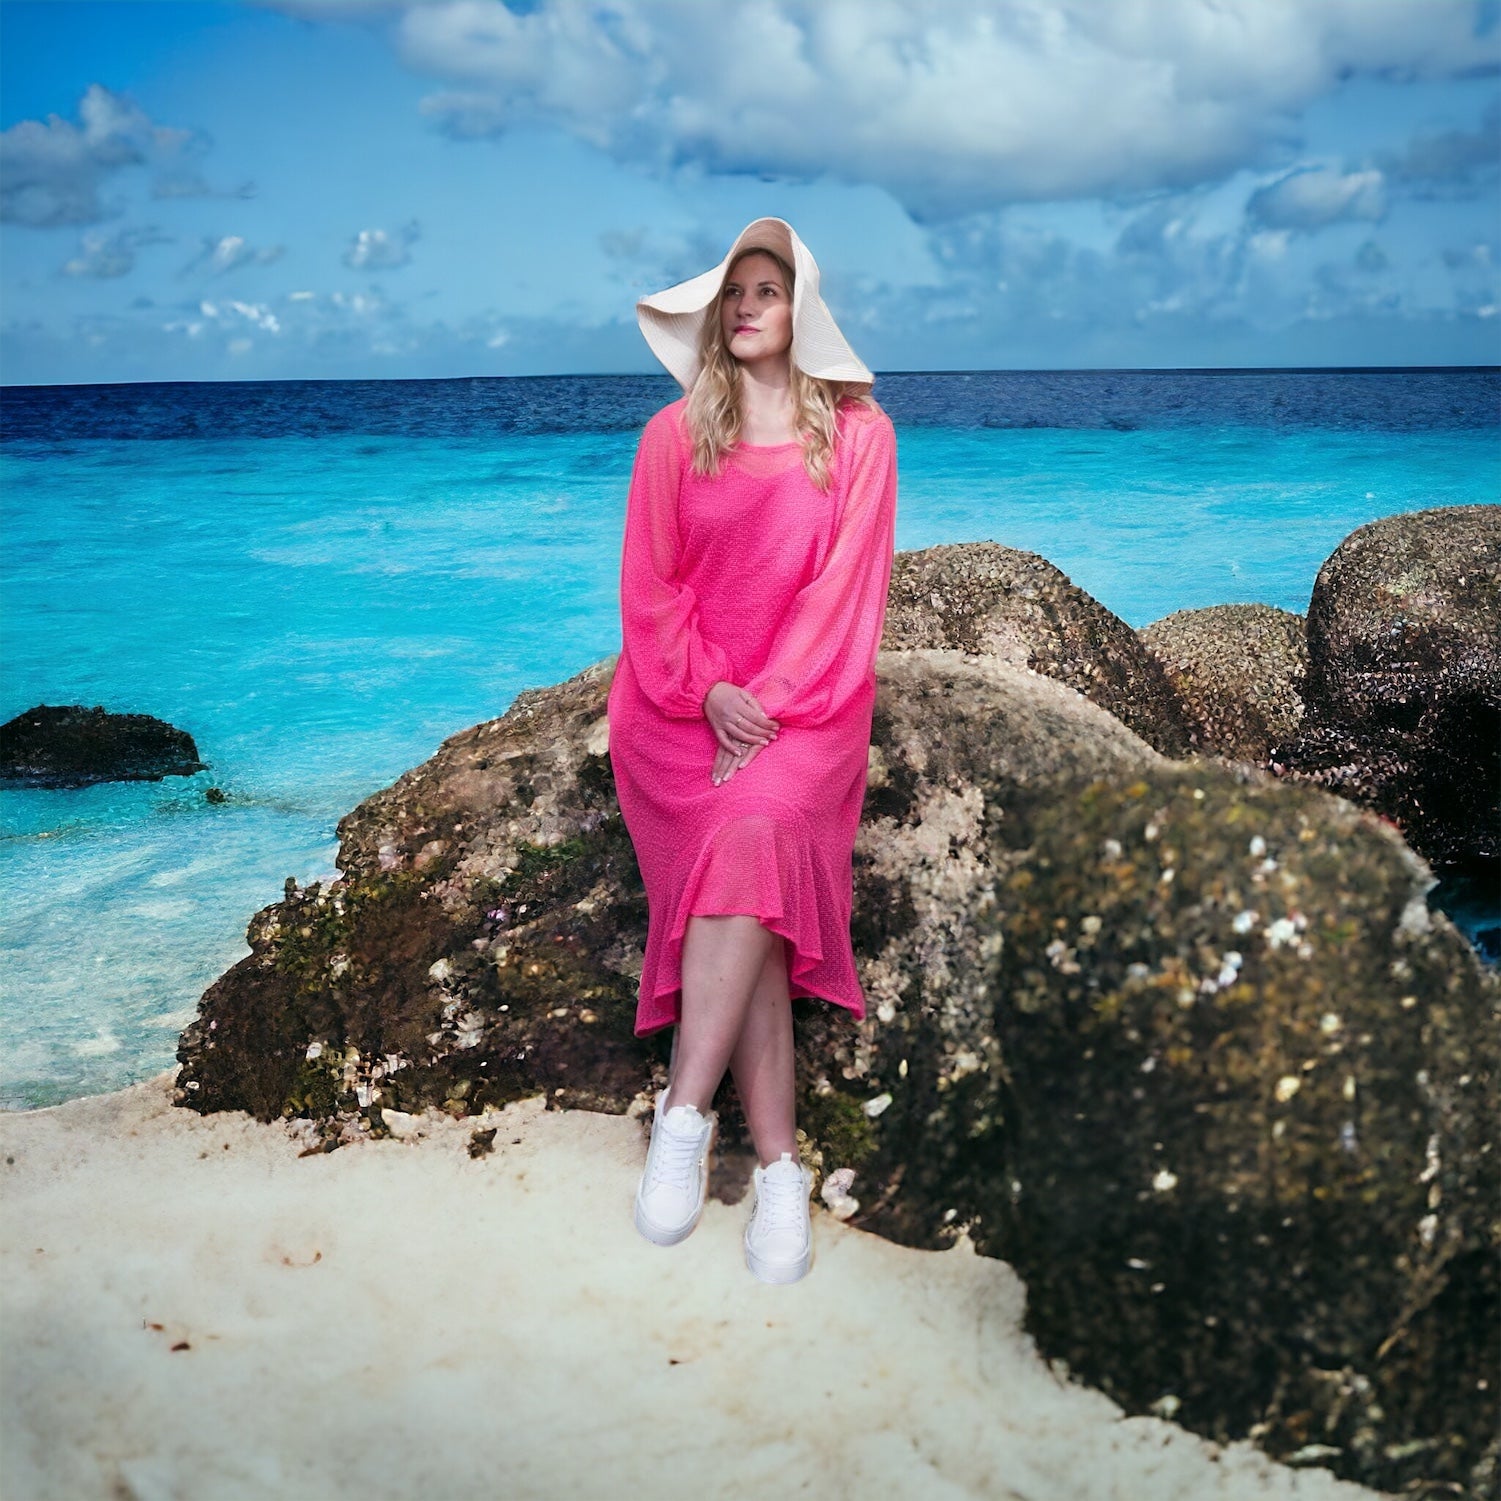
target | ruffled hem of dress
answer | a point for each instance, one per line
(794, 880)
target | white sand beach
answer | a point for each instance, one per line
(192, 1310)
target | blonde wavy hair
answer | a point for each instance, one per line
(714, 411)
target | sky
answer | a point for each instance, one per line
(289, 189)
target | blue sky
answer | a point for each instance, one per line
(383, 188)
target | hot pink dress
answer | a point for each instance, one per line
(756, 577)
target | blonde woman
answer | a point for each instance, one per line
(758, 547)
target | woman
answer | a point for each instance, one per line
(758, 549)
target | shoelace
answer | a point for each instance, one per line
(779, 1202)
(675, 1161)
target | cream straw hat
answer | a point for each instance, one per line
(672, 321)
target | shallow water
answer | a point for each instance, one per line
(320, 581)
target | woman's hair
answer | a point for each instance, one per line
(713, 410)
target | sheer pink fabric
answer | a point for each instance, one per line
(756, 577)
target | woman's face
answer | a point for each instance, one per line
(755, 309)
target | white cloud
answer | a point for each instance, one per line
(375, 250)
(1313, 197)
(953, 108)
(234, 312)
(104, 256)
(51, 173)
(230, 252)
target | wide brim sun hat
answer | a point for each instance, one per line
(672, 321)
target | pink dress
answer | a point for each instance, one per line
(756, 577)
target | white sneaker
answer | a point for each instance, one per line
(779, 1238)
(670, 1197)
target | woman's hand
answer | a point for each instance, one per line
(737, 719)
(726, 765)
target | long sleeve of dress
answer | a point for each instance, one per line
(672, 661)
(825, 649)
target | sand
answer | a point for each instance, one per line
(192, 1310)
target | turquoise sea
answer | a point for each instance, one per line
(322, 580)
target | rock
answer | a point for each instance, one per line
(1015, 606)
(1404, 678)
(401, 1124)
(488, 928)
(373, 986)
(1182, 1042)
(1239, 670)
(55, 746)
(1247, 1159)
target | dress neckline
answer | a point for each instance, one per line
(766, 447)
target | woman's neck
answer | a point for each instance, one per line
(766, 410)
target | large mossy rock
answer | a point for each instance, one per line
(1248, 1169)
(1018, 608)
(1239, 671)
(1404, 678)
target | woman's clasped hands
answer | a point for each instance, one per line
(742, 728)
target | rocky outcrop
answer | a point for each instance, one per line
(1404, 678)
(485, 939)
(1018, 608)
(56, 746)
(1239, 670)
(1183, 1043)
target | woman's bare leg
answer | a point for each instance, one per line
(723, 958)
(762, 1062)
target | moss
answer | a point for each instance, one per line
(311, 930)
(319, 1083)
(838, 1125)
(534, 861)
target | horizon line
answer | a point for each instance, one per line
(663, 375)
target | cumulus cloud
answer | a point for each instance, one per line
(375, 250)
(952, 108)
(229, 253)
(107, 256)
(1184, 272)
(1312, 197)
(52, 171)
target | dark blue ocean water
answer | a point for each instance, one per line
(1401, 401)
(321, 580)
